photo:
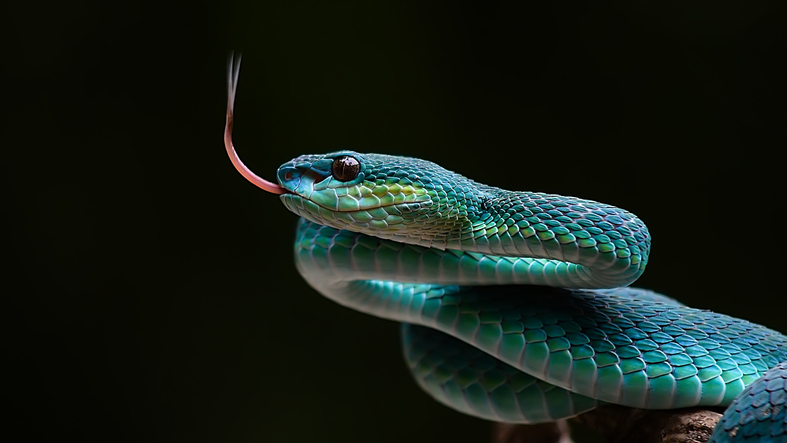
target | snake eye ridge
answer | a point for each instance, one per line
(345, 168)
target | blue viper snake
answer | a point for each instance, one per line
(516, 306)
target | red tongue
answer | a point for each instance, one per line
(233, 70)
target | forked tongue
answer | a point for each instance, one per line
(233, 70)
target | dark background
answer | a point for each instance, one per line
(152, 291)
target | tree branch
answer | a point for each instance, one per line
(619, 424)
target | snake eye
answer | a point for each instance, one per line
(345, 168)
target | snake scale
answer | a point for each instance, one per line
(515, 305)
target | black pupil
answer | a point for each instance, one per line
(345, 168)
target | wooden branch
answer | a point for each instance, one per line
(620, 424)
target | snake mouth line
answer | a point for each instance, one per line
(295, 195)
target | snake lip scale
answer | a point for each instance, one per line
(516, 306)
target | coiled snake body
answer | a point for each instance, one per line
(515, 305)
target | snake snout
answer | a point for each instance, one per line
(289, 177)
(301, 179)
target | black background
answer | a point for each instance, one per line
(152, 291)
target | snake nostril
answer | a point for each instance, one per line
(288, 175)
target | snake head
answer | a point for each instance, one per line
(387, 196)
(407, 199)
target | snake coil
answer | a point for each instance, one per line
(515, 305)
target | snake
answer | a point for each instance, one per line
(516, 306)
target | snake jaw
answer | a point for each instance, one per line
(233, 70)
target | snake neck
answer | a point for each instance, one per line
(607, 245)
(610, 241)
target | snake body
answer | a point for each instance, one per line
(515, 305)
